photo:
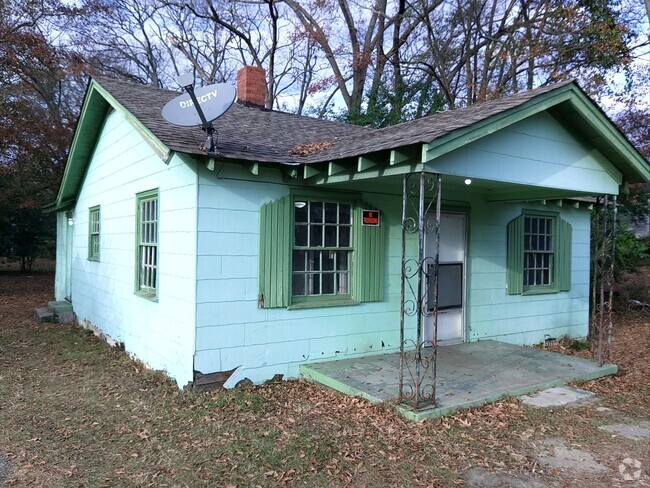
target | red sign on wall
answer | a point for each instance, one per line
(370, 217)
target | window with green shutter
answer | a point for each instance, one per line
(93, 233)
(539, 254)
(315, 252)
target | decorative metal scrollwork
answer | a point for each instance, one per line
(603, 254)
(419, 295)
(410, 225)
(418, 360)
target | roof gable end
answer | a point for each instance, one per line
(572, 108)
(96, 105)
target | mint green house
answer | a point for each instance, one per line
(287, 249)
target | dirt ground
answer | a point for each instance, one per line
(74, 412)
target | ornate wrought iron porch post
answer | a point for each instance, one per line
(419, 289)
(603, 259)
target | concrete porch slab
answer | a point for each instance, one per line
(469, 375)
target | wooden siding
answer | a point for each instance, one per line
(159, 333)
(537, 151)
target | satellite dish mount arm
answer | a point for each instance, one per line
(209, 146)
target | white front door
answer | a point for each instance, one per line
(451, 279)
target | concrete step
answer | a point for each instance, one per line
(65, 317)
(44, 315)
(58, 307)
(62, 311)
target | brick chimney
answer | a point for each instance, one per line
(251, 85)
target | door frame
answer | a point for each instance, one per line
(463, 310)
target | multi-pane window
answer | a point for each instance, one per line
(316, 252)
(538, 251)
(147, 232)
(93, 233)
(322, 247)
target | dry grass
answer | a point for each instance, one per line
(75, 412)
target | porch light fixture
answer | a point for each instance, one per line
(70, 219)
(468, 181)
(300, 204)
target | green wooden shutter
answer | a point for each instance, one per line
(368, 259)
(563, 255)
(275, 249)
(515, 257)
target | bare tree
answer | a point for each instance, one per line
(201, 44)
(481, 49)
(125, 38)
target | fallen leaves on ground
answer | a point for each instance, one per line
(75, 411)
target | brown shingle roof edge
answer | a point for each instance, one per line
(269, 136)
(251, 133)
(243, 131)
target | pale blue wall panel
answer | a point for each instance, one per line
(486, 281)
(184, 218)
(209, 361)
(231, 220)
(217, 291)
(227, 269)
(491, 310)
(325, 348)
(159, 333)
(489, 247)
(536, 151)
(220, 337)
(265, 332)
(533, 336)
(535, 328)
(255, 356)
(232, 312)
(208, 267)
(239, 266)
(228, 243)
(494, 233)
(581, 277)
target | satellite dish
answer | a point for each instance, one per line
(185, 80)
(213, 101)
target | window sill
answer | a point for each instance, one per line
(147, 296)
(344, 302)
(94, 259)
(540, 291)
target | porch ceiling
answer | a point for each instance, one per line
(468, 375)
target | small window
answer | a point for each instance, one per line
(321, 249)
(93, 233)
(147, 244)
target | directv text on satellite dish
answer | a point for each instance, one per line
(201, 99)
(214, 100)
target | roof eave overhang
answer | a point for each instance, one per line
(594, 127)
(97, 103)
